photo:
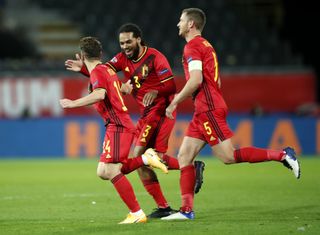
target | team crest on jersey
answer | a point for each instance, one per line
(114, 60)
(127, 69)
(145, 71)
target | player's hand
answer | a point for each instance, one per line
(149, 97)
(126, 88)
(170, 109)
(74, 65)
(66, 103)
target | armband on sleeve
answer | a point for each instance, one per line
(195, 65)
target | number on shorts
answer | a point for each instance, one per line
(146, 131)
(207, 127)
(106, 146)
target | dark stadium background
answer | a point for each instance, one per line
(267, 52)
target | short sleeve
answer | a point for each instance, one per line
(116, 62)
(97, 80)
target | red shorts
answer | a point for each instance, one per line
(210, 127)
(116, 147)
(154, 131)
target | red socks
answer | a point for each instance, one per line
(187, 182)
(125, 190)
(252, 155)
(131, 164)
(153, 188)
(171, 162)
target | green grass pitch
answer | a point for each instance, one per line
(65, 197)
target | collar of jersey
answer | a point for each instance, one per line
(140, 57)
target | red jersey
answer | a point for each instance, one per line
(112, 108)
(151, 71)
(208, 96)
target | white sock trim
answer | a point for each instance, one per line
(137, 213)
(144, 159)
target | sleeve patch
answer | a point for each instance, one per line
(114, 60)
(163, 71)
(94, 85)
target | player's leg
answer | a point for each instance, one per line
(151, 184)
(159, 139)
(112, 172)
(148, 158)
(109, 168)
(216, 125)
(147, 131)
(189, 149)
(160, 143)
(226, 152)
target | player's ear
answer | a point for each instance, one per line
(190, 23)
(139, 40)
(81, 56)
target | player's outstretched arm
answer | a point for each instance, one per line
(93, 97)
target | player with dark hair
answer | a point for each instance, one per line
(209, 124)
(150, 81)
(106, 97)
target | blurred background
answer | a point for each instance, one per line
(267, 51)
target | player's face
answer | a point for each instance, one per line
(129, 45)
(183, 25)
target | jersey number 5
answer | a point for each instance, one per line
(207, 128)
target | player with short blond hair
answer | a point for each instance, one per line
(209, 122)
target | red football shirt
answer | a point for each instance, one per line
(208, 96)
(112, 108)
(149, 72)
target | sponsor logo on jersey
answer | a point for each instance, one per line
(108, 156)
(127, 69)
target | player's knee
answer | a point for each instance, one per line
(102, 176)
(184, 160)
(227, 159)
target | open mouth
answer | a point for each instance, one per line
(128, 52)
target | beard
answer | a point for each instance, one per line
(135, 53)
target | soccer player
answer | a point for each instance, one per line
(209, 125)
(106, 97)
(150, 81)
